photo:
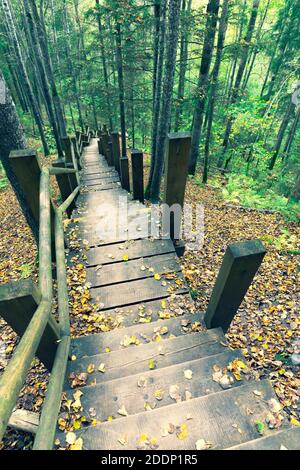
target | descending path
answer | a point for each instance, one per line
(161, 381)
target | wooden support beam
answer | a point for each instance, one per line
(239, 266)
(124, 168)
(23, 420)
(18, 303)
(104, 138)
(176, 167)
(115, 138)
(64, 185)
(71, 161)
(137, 165)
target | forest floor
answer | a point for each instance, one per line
(267, 327)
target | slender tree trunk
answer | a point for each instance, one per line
(291, 136)
(70, 65)
(44, 79)
(12, 138)
(295, 195)
(240, 72)
(202, 87)
(23, 73)
(215, 75)
(43, 42)
(165, 117)
(104, 65)
(157, 12)
(280, 135)
(119, 60)
(186, 10)
(158, 88)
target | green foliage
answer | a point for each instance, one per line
(26, 271)
(245, 191)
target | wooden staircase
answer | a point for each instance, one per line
(159, 381)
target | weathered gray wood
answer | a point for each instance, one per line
(176, 165)
(103, 186)
(220, 419)
(27, 169)
(18, 303)
(115, 138)
(23, 420)
(283, 439)
(64, 185)
(77, 152)
(144, 332)
(135, 360)
(239, 266)
(124, 169)
(110, 157)
(136, 249)
(136, 291)
(108, 397)
(132, 270)
(104, 138)
(137, 165)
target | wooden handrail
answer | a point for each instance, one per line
(14, 375)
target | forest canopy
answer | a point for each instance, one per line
(226, 71)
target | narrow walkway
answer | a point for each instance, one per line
(160, 382)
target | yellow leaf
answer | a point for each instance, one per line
(125, 258)
(77, 424)
(183, 432)
(295, 422)
(157, 277)
(151, 364)
(107, 350)
(90, 368)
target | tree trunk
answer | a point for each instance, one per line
(295, 195)
(280, 135)
(104, 65)
(43, 42)
(23, 73)
(203, 80)
(240, 72)
(165, 117)
(215, 74)
(12, 138)
(158, 88)
(119, 60)
(44, 79)
(186, 9)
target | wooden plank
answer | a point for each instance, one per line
(105, 174)
(137, 165)
(240, 264)
(108, 397)
(135, 360)
(132, 270)
(124, 169)
(220, 419)
(100, 180)
(136, 291)
(134, 249)
(23, 420)
(103, 187)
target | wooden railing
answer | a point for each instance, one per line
(33, 334)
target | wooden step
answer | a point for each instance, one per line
(133, 249)
(143, 332)
(123, 294)
(141, 393)
(221, 420)
(136, 359)
(100, 187)
(286, 439)
(132, 270)
(99, 180)
(108, 197)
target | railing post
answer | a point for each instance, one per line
(18, 303)
(239, 266)
(71, 161)
(104, 139)
(115, 138)
(110, 157)
(124, 169)
(176, 171)
(77, 152)
(137, 165)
